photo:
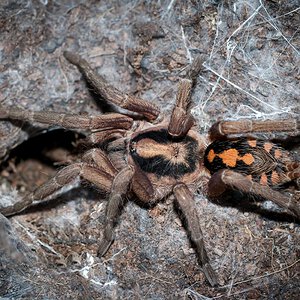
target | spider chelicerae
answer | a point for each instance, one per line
(153, 156)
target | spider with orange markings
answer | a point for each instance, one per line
(155, 156)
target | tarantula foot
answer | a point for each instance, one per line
(72, 57)
(9, 209)
(210, 274)
(103, 248)
(294, 205)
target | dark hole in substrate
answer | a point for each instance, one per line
(35, 160)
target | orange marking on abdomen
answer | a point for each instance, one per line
(248, 159)
(252, 143)
(277, 153)
(211, 155)
(231, 156)
(268, 146)
(264, 179)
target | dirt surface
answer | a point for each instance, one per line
(251, 70)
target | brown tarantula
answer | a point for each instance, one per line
(153, 158)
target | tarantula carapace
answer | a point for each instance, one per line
(159, 156)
